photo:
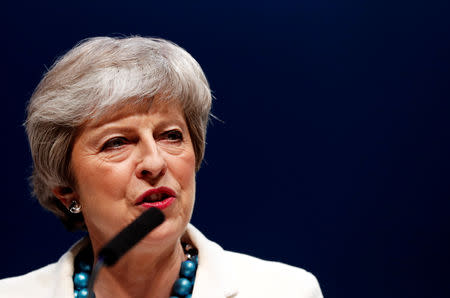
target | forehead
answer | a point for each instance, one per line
(153, 106)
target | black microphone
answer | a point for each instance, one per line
(130, 235)
(125, 240)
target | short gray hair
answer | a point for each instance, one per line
(96, 77)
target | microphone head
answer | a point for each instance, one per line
(131, 235)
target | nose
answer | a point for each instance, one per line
(151, 165)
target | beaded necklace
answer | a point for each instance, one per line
(182, 288)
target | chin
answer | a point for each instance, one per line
(169, 232)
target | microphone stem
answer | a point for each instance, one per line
(93, 277)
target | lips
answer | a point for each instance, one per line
(161, 197)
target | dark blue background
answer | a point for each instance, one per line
(333, 153)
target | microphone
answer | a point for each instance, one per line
(130, 235)
(124, 241)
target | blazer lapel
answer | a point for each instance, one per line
(214, 277)
(63, 283)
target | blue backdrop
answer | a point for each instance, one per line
(333, 153)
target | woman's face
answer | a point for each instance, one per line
(131, 162)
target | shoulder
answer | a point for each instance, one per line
(33, 284)
(272, 279)
(238, 275)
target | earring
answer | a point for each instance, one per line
(75, 207)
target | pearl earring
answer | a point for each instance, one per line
(75, 207)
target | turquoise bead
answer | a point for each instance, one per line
(75, 293)
(188, 269)
(195, 259)
(182, 286)
(189, 296)
(81, 280)
(174, 297)
(83, 293)
(85, 266)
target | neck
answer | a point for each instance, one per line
(134, 277)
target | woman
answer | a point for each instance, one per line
(115, 127)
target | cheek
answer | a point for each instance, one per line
(185, 175)
(98, 179)
(185, 171)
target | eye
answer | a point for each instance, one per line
(114, 143)
(173, 135)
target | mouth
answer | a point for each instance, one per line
(161, 197)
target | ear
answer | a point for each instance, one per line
(65, 195)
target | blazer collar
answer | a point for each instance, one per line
(215, 277)
(63, 286)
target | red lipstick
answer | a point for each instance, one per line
(161, 198)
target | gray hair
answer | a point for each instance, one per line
(98, 76)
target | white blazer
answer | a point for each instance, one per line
(220, 274)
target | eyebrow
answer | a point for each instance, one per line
(97, 135)
(109, 128)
